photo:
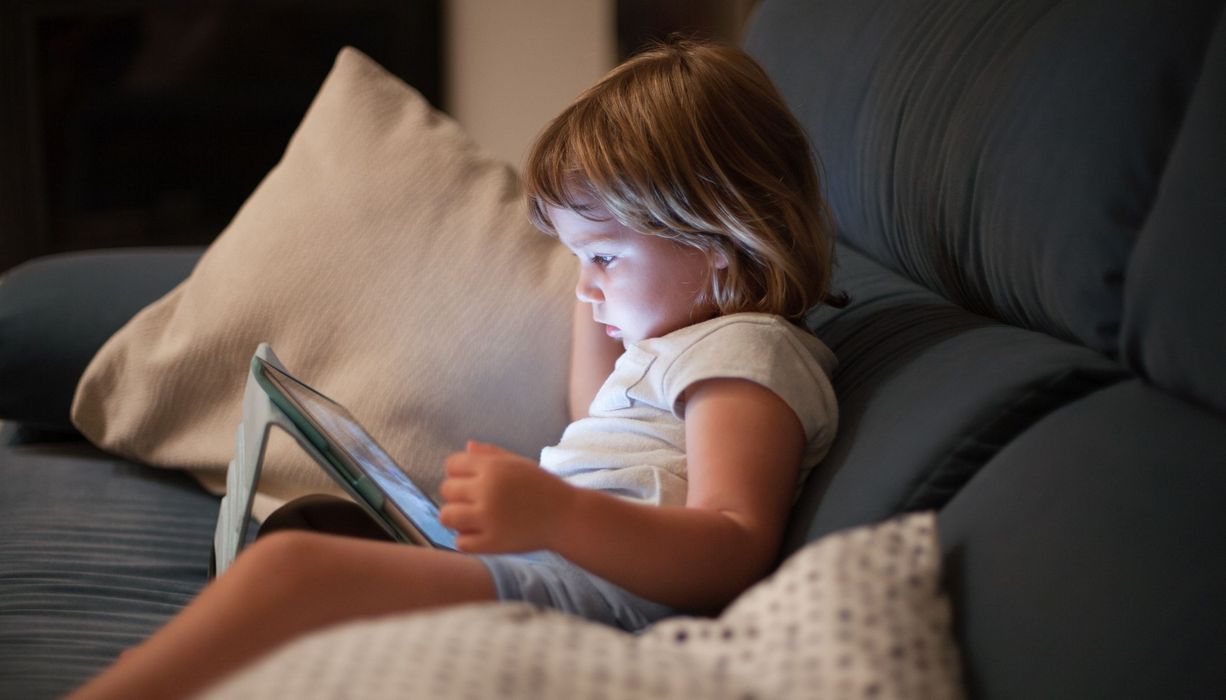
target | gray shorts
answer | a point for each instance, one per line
(546, 579)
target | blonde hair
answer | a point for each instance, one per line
(692, 142)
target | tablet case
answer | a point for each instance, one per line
(243, 474)
(260, 414)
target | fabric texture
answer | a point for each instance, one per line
(56, 311)
(859, 614)
(1174, 330)
(1004, 153)
(632, 443)
(390, 263)
(948, 387)
(95, 554)
(1085, 559)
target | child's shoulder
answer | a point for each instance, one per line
(746, 322)
(747, 333)
(761, 348)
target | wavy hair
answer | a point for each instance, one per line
(692, 142)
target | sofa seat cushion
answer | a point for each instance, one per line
(928, 392)
(96, 553)
(1085, 559)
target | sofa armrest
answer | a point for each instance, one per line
(56, 311)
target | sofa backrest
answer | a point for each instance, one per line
(1008, 155)
(1031, 198)
(1008, 172)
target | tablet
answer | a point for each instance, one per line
(355, 460)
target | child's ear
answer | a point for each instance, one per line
(719, 260)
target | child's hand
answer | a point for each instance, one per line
(497, 501)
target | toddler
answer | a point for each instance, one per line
(689, 196)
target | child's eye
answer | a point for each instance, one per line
(602, 260)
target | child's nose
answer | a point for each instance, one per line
(586, 291)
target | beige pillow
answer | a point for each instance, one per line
(390, 263)
(857, 614)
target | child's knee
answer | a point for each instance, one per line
(282, 559)
(283, 543)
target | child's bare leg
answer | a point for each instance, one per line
(285, 585)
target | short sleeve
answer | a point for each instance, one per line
(767, 351)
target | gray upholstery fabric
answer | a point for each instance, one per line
(1027, 191)
(1175, 291)
(56, 311)
(1002, 152)
(928, 392)
(95, 553)
(1057, 165)
(1085, 560)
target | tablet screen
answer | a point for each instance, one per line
(355, 446)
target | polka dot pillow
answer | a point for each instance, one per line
(858, 614)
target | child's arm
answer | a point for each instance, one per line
(744, 447)
(592, 356)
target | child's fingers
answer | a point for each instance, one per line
(459, 464)
(461, 518)
(455, 490)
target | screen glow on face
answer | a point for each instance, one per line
(638, 285)
(360, 449)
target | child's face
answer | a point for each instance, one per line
(640, 286)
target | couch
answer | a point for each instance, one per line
(1031, 201)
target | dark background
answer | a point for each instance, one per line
(149, 122)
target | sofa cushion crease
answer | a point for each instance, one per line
(1178, 256)
(1029, 202)
(904, 350)
(940, 183)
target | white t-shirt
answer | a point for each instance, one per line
(632, 443)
